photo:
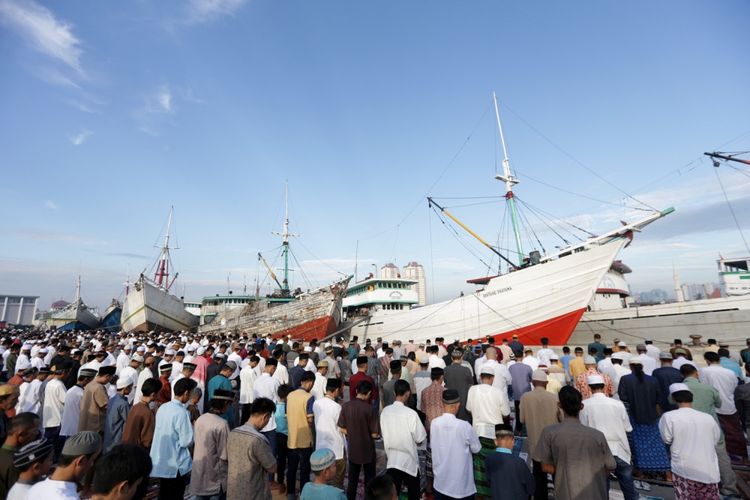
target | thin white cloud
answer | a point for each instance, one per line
(164, 99)
(56, 236)
(202, 11)
(44, 32)
(50, 204)
(80, 137)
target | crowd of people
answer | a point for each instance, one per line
(99, 415)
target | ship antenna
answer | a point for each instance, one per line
(509, 181)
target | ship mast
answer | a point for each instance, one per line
(162, 268)
(78, 289)
(509, 181)
(285, 234)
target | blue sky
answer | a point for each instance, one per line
(114, 111)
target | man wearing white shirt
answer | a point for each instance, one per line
(144, 375)
(692, 437)
(652, 350)
(453, 443)
(327, 433)
(23, 360)
(402, 431)
(435, 361)
(725, 381)
(72, 406)
(530, 360)
(235, 356)
(123, 359)
(319, 387)
(487, 404)
(649, 363)
(130, 373)
(502, 374)
(266, 386)
(543, 354)
(38, 360)
(54, 401)
(281, 374)
(609, 416)
(247, 379)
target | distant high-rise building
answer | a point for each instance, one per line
(415, 271)
(390, 271)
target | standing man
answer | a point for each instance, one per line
(598, 347)
(53, 405)
(326, 412)
(459, 378)
(724, 381)
(78, 457)
(453, 443)
(129, 372)
(666, 376)
(300, 419)
(360, 426)
(402, 432)
(248, 374)
(609, 416)
(706, 399)
(221, 381)
(538, 410)
(521, 383)
(144, 375)
(692, 437)
(581, 383)
(432, 397)
(250, 457)
(508, 476)
(72, 407)
(117, 414)
(94, 402)
(173, 435)
(208, 478)
(267, 386)
(578, 456)
(139, 427)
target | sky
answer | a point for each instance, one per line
(113, 112)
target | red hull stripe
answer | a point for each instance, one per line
(558, 330)
(314, 329)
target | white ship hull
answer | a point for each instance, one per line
(77, 312)
(148, 307)
(544, 300)
(723, 318)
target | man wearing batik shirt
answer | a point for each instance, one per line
(432, 397)
(581, 381)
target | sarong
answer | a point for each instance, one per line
(480, 473)
(733, 435)
(687, 489)
(649, 451)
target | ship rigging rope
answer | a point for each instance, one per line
(579, 162)
(543, 221)
(458, 238)
(560, 222)
(447, 303)
(731, 210)
(316, 257)
(515, 325)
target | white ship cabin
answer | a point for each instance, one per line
(193, 308)
(213, 305)
(380, 294)
(734, 276)
(613, 291)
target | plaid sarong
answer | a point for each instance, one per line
(480, 473)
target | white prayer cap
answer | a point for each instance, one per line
(190, 348)
(26, 347)
(554, 357)
(43, 350)
(539, 376)
(123, 382)
(589, 360)
(308, 348)
(140, 349)
(137, 358)
(622, 344)
(594, 379)
(618, 355)
(487, 370)
(169, 352)
(201, 351)
(678, 387)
